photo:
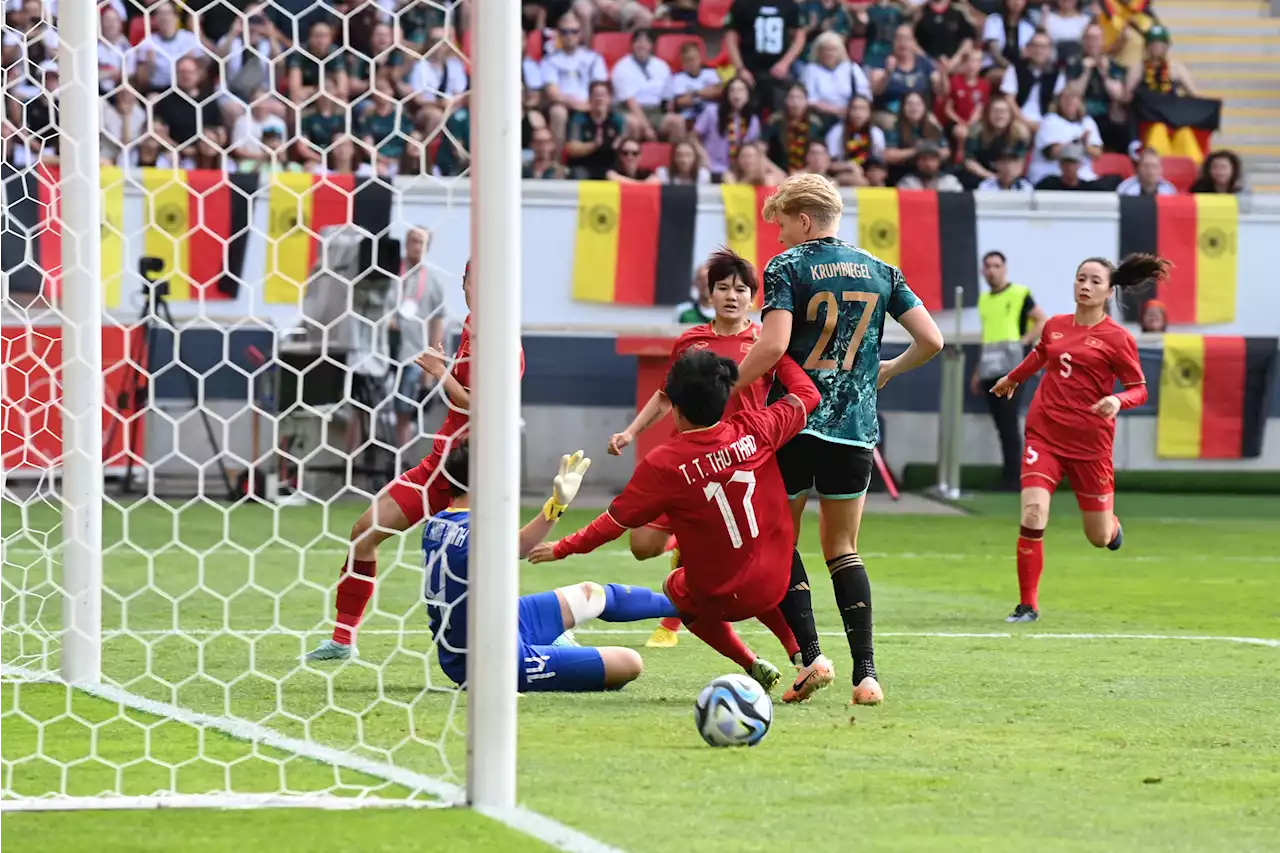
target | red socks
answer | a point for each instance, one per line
(355, 588)
(671, 623)
(1030, 565)
(721, 637)
(777, 623)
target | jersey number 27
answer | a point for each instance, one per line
(830, 317)
(715, 492)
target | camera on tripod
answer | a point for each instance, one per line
(149, 269)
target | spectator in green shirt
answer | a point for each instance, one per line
(383, 61)
(385, 131)
(453, 158)
(323, 140)
(321, 58)
(594, 135)
(693, 312)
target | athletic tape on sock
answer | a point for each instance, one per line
(585, 600)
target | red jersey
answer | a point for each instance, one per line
(733, 347)
(722, 492)
(456, 420)
(966, 99)
(1082, 365)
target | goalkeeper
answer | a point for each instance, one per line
(543, 616)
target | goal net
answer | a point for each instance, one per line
(283, 229)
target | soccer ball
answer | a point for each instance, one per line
(733, 710)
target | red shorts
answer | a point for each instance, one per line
(422, 490)
(1093, 480)
(725, 608)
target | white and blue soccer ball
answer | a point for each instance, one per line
(733, 710)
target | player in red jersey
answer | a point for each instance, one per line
(730, 334)
(419, 492)
(1071, 424)
(720, 488)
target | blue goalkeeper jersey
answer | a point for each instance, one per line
(445, 544)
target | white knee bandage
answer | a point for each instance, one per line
(585, 600)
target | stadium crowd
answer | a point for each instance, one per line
(993, 95)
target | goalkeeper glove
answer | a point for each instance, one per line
(566, 484)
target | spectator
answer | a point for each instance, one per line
(1101, 82)
(29, 41)
(545, 165)
(875, 172)
(928, 174)
(530, 80)
(1155, 318)
(419, 320)
(698, 309)
(383, 60)
(438, 80)
(1065, 24)
(626, 168)
(113, 48)
(856, 139)
(826, 16)
(967, 97)
(321, 65)
(1011, 322)
(1159, 73)
(595, 135)
(384, 132)
(187, 120)
(1149, 179)
(612, 14)
(916, 125)
(944, 32)
(685, 166)
(1069, 124)
(905, 71)
(831, 80)
(1072, 161)
(678, 12)
(640, 80)
(880, 20)
(248, 59)
(998, 132)
(691, 88)
(726, 126)
(453, 158)
(124, 123)
(817, 160)
(33, 120)
(1006, 35)
(764, 37)
(324, 144)
(1010, 165)
(752, 168)
(1220, 173)
(155, 58)
(791, 131)
(567, 76)
(256, 138)
(1034, 81)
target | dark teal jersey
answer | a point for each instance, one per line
(838, 296)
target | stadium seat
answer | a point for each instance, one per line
(137, 30)
(654, 154)
(668, 47)
(466, 44)
(1114, 164)
(611, 46)
(533, 46)
(1181, 172)
(712, 13)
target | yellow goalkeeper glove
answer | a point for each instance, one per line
(566, 484)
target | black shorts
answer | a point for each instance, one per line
(836, 471)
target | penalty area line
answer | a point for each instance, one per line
(520, 819)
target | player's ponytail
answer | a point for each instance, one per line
(1139, 269)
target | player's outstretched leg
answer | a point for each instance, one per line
(777, 623)
(1035, 517)
(646, 543)
(815, 670)
(721, 637)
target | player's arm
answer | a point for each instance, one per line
(656, 408)
(798, 384)
(1128, 370)
(775, 332)
(1029, 367)
(564, 488)
(926, 342)
(436, 364)
(641, 502)
(783, 419)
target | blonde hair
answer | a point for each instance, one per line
(828, 39)
(806, 193)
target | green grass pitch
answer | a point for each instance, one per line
(1010, 742)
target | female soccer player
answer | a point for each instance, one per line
(731, 334)
(1071, 424)
(408, 499)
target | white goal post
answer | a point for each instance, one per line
(191, 613)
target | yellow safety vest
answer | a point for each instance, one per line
(1001, 315)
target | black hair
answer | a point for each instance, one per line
(457, 469)
(1135, 270)
(699, 385)
(725, 263)
(595, 84)
(995, 253)
(638, 34)
(725, 111)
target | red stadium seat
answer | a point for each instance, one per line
(712, 13)
(649, 4)
(1114, 164)
(668, 48)
(137, 29)
(466, 43)
(1181, 172)
(611, 46)
(533, 46)
(654, 154)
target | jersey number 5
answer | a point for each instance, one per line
(715, 492)
(1065, 361)
(830, 318)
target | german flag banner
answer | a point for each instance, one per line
(196, 222)
(746, 232)
(1213, 396)
(654, 263)
(1198, 233)
(1179, 125)
(932, 237)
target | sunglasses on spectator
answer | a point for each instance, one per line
(630, 152)
(564, 31)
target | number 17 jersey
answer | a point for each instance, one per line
(838, 296)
